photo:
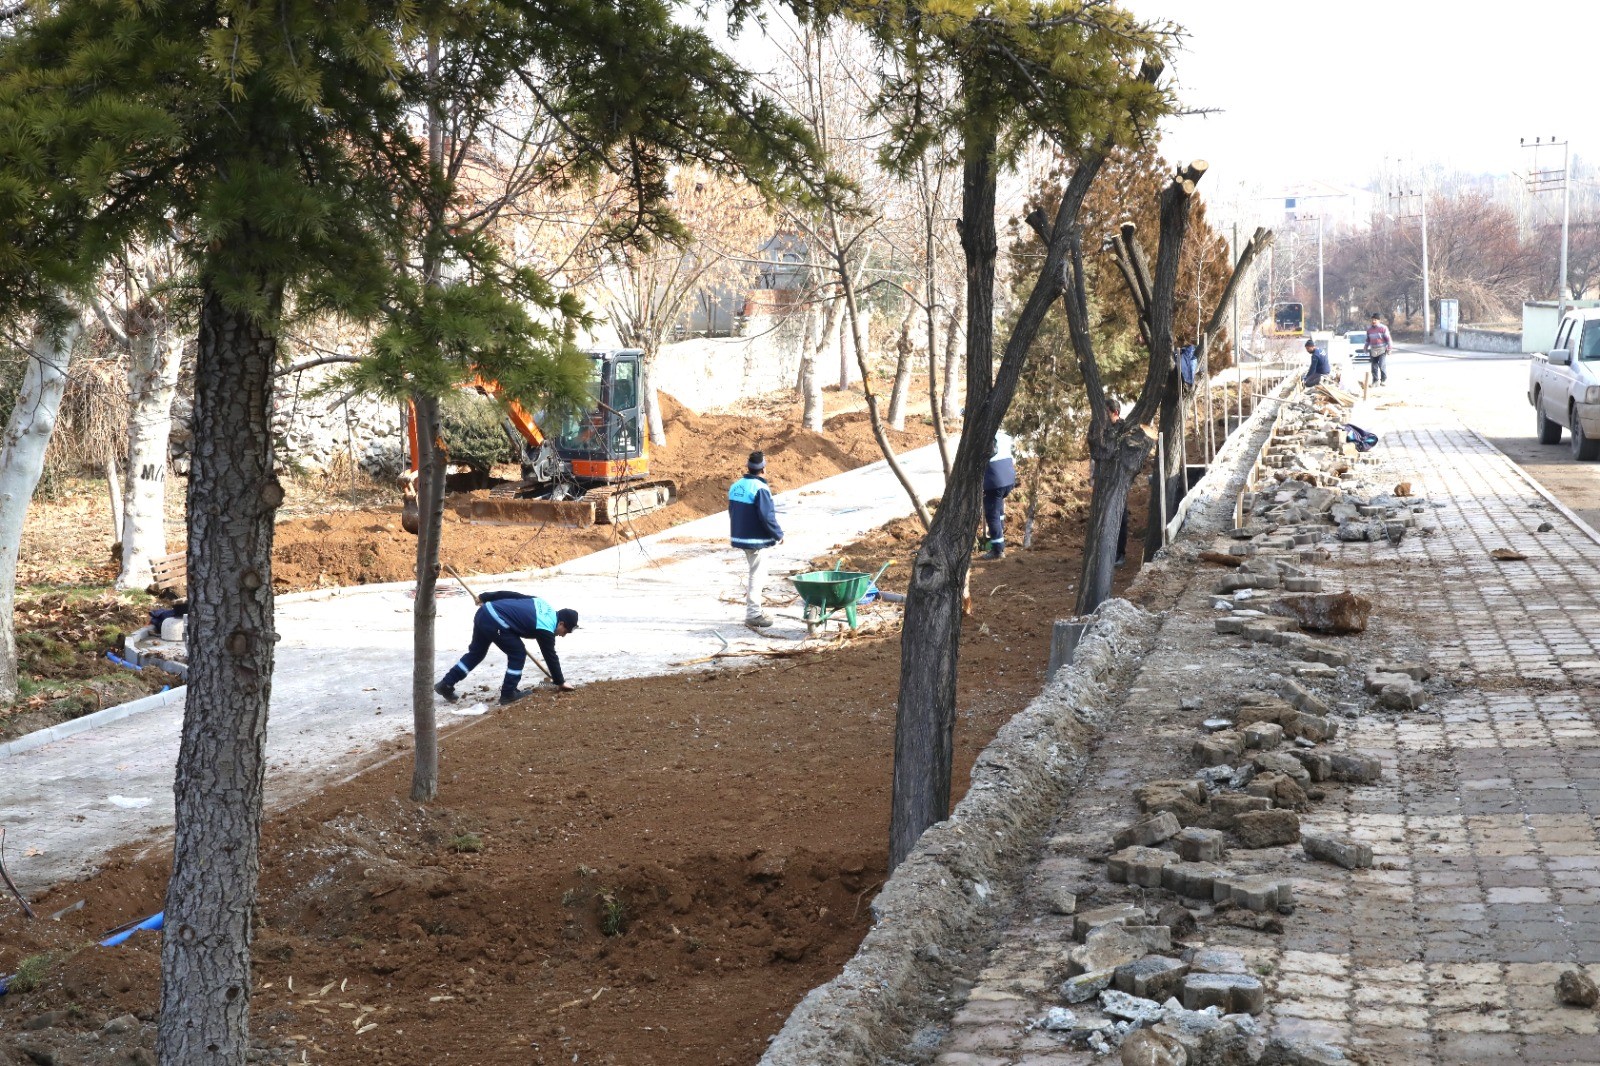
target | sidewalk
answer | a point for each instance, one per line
(341, 685)
(1485, 826)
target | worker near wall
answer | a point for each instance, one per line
(999, 478)
(505, 620)
(1319, 368)
(1378, 344)
(753, 526)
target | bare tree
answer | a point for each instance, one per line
(141, 308)
(648, 288)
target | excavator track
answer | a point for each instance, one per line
(614, 503)
(605, 505)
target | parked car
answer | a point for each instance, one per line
(1564, 384)
(1357, 339)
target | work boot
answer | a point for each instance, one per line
(759, 621)
(514, 695)
(1122, 560)
(447, 691)
(997, 550)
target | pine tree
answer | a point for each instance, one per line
(279, 140)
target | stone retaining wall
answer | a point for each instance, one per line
(948, 896)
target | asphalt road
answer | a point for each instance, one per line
(1490, 393)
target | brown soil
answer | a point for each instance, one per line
(703, 454)
(666, 867)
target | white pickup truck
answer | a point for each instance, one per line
(1564, 384)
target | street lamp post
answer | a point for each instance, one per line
(1543, 181)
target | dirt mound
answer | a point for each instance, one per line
(703, 454)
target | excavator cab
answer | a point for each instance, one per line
(608, 442)
(579, 468)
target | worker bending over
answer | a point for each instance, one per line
(505, 620)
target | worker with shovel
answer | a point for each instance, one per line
(505, 620)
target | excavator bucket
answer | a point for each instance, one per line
(503, 511)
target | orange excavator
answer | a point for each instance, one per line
(594, 467)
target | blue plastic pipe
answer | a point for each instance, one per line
(112, 940)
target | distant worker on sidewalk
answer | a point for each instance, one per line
(505, 620)
(753, 526)
(1378, 345)
(1319, 368)
(999, 478)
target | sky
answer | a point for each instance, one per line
(1332, 90)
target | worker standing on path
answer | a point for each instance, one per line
(505, 620)
(1378, 345)
(999, 478)
(753, 526)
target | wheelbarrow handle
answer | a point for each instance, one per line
(879, 574)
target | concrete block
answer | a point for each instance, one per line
(1317, 728)
(1267, 829)
(1354, 767)
(1347, 853)
(1231, 993)
(1302, 698)
(1104, 949)
(1086, 922)
(1282, 762)
(1318, 764)
(1150, 831)
(1195, 880)
(1155, 977)
(1086, 986)
(1218, 748)
(1263, 735)
(1064, 638)
(1138, 866)
(1217, 960)
(1199, 845)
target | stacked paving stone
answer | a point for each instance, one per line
(1131, 981)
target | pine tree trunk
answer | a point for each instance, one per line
(156, 355)
(27, 436)
(424, 629)
(930, 636)
(233, 494)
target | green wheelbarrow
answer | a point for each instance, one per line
(825, 591)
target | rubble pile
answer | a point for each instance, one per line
(1212, 847)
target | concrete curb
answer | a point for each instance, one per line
(950, 892)
(955, 884)
(62, 730)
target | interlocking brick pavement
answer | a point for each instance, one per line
(1485, 828)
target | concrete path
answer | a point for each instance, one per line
(1485, 828)
(342, 681)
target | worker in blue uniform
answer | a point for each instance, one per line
(753, 526)
(999, 478)
(505, 620)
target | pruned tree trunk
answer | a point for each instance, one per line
(1168, 482)
(155, 358)
(1035, 479)
(424, 629)
(651, 395)
(27, 436)
(811, 360)
(903, 350)
(1118, 458)
(233, 494)
(952, 353)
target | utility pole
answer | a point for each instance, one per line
(1547, 181)
(1422, 199)
(1238, 374)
